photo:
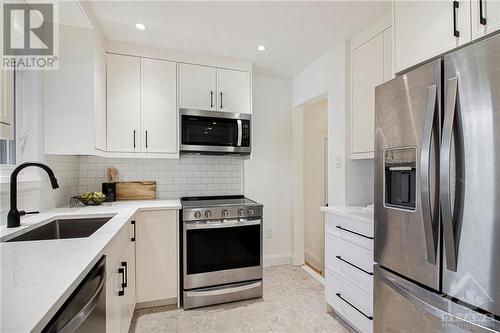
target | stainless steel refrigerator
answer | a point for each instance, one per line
(437, 195)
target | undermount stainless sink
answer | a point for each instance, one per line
(62, 229)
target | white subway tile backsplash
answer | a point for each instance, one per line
(175, 178)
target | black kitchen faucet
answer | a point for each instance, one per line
(14, 216)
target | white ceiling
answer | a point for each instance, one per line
(295, 33)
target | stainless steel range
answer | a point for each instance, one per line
(221, 250)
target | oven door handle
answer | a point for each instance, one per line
(223, 291)
(240, 132)
(222, 224)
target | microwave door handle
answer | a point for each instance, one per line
(240, 132)
(429, 218)
(451, 217)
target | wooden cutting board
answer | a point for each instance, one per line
(135, 190)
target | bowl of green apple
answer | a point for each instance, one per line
(92, 198)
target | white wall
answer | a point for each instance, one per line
(267, 175)
(328, 75)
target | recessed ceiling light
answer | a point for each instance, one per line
(261, 48)
(140, 26)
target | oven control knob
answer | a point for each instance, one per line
(208, 214)
(197, 215)
(241, 212)
(225, 213)
(251, 212)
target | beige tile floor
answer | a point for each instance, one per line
(293, 302)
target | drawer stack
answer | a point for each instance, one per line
(349, 266)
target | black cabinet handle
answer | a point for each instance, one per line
(339, 295)
(125, 276)
(211, 99)
(221, 99)
(146, 139)
(22, 212)
(134, 138)
(353, 232)
(456, 5)
(122, 291)
(482, 17)
(355, 266)
(133, 238)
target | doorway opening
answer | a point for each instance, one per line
(315, 180)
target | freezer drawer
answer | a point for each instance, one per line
(401, 306)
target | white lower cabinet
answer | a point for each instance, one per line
(120, 285)
(350, 302)
(157, 257)
(349, 269)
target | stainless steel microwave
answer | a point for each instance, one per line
(212, 132)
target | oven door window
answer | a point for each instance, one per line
(206, 131)
(210, 250)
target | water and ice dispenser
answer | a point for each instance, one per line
(400, 178)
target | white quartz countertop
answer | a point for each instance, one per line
(354, 212)
(38, 276)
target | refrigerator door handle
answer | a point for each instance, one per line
(451, 217)
(425, 179)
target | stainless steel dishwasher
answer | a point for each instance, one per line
(85, 309)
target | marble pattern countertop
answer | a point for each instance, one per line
(38, 276)
(359, 213)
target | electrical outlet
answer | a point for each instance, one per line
(339, 161)
(269, 233)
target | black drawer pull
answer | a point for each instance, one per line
(125, 280)
(456, 6)
(355, 308)
(482, 17)
(349, 263)
(353, 232)
(122, 285)
(133, 238)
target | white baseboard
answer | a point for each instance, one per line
(277, 259)
(314, 274)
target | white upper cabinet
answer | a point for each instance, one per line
(234, 91)
(425, 29)
(198, 87)
(74, 94)
(123, 103)
(218, 89)
(159, 112)
(485, 17)
(367, 72)
(100, 98)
